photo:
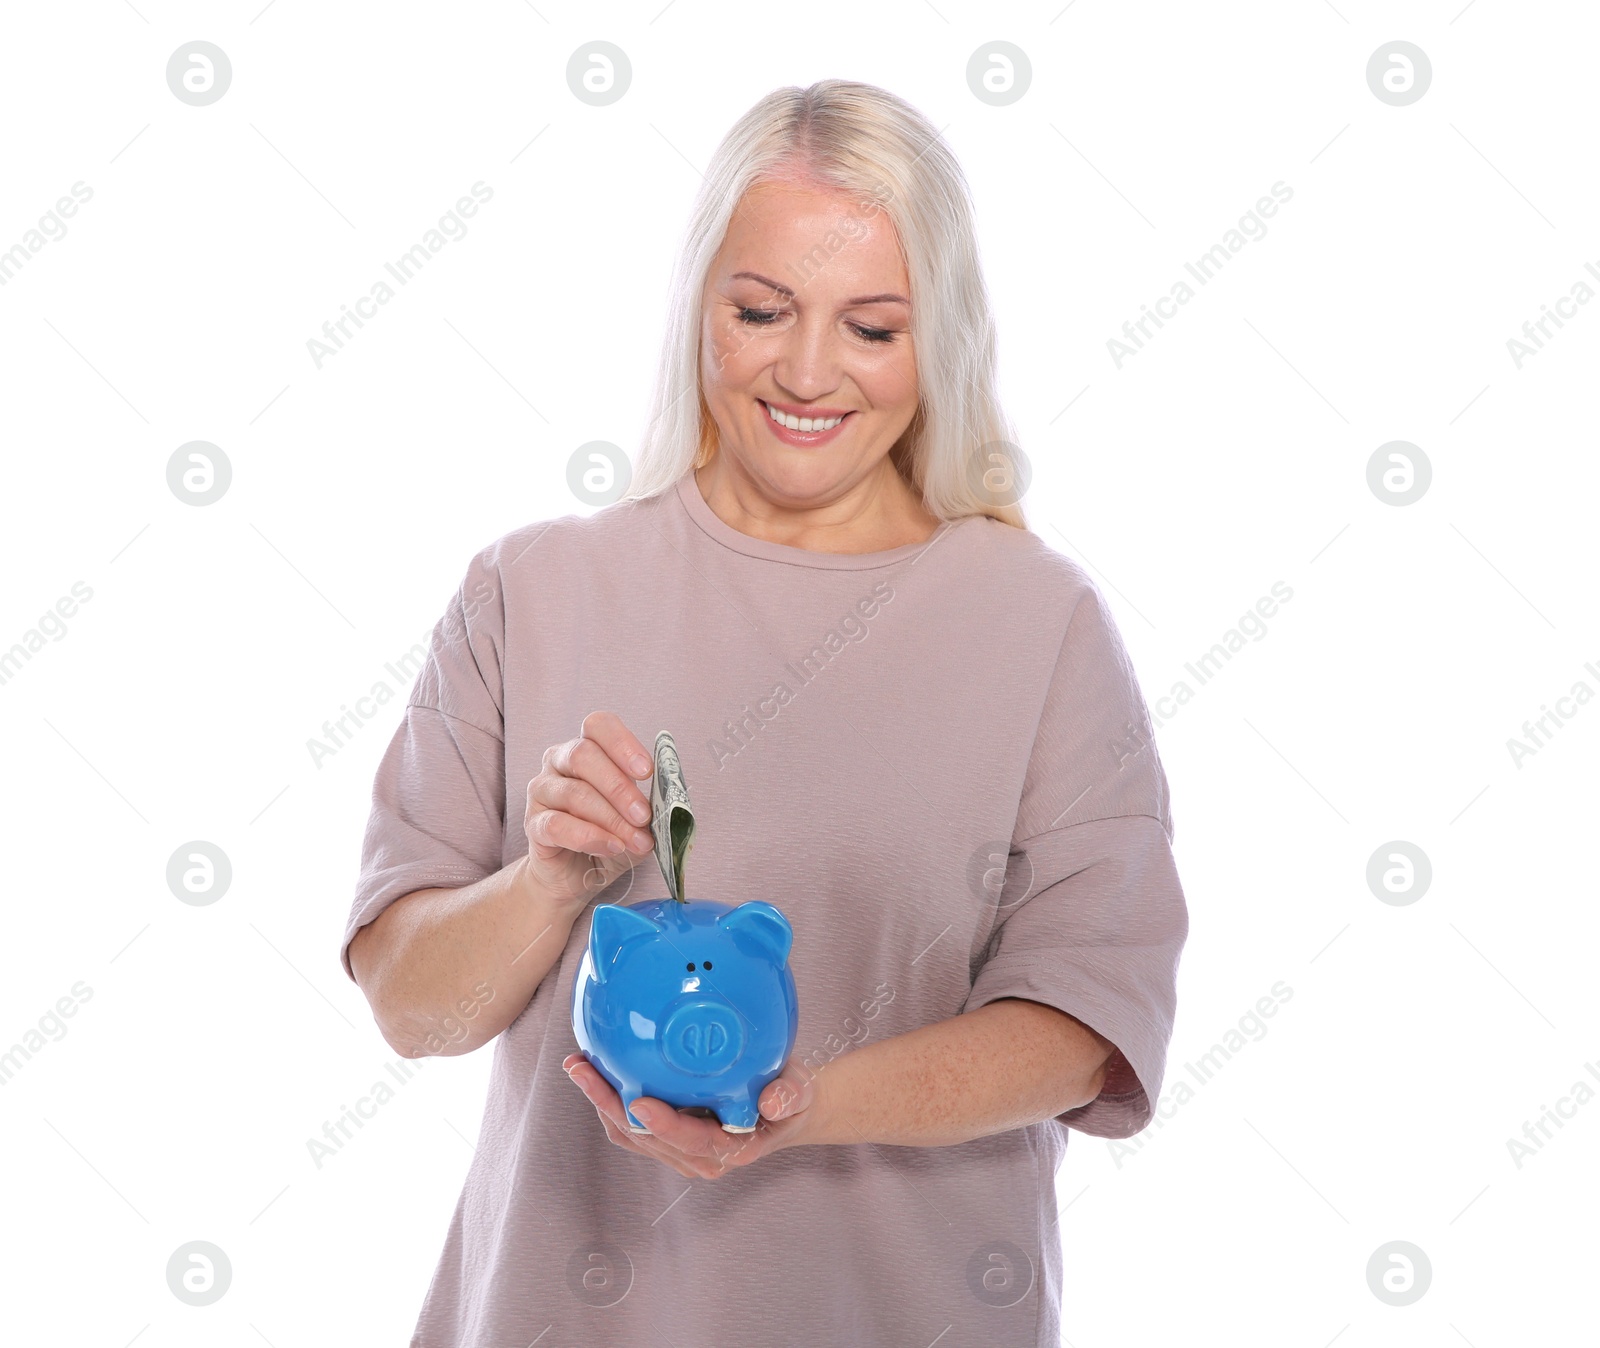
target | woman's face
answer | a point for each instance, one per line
(806, 311)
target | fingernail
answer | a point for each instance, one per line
(645, 1116)
(638, 812)
(641, 765)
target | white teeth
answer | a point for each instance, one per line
(801, 423)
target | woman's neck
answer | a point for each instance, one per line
(879, 513)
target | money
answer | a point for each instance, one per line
(671, 816)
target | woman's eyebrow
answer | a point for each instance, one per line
(887, 298)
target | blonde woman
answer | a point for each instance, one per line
(903, 719)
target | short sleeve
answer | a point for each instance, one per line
(438, 800)
(1092, 917)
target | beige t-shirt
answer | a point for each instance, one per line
(864, 736)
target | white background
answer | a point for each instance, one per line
(1229, 454)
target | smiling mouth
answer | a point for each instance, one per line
(802, 425)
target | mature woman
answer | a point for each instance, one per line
(903, 719)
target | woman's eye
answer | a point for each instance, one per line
(764, 318)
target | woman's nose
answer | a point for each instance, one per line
(810, 362)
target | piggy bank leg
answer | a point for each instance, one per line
(634, 1126)
(740, 1116)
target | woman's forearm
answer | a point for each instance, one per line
(446, 970)
(1008, 1064)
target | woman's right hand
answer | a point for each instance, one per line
(587, 821)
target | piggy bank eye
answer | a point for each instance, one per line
(706, 965)
(689, 966)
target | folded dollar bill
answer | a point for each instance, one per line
(672, 818)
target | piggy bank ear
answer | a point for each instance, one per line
(611, 927)
(763, 924)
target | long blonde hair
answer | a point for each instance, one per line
(863, 140)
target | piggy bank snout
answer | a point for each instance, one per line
(702, 1036)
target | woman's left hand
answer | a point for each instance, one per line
(694, 1146)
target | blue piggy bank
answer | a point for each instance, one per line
(690, 1003)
